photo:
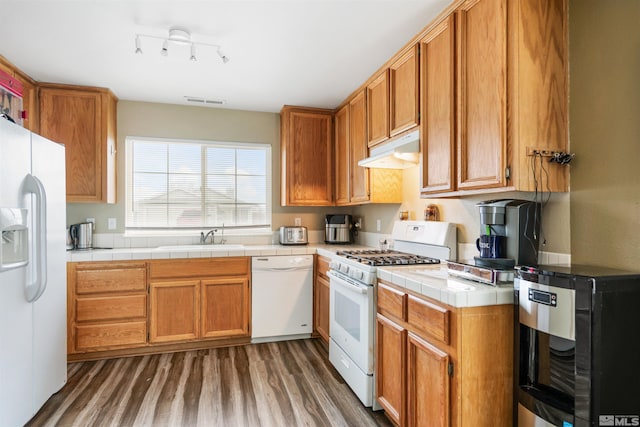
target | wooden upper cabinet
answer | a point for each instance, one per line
(438, 125)
(378, 109)
(352, 181)
(358, 176)
(538, 89)
(307, 150)
(84, 120)
(404, 93)
(482, 102)
(342, 160)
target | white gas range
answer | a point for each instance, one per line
(352, 302)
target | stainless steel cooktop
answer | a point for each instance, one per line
(379, 257)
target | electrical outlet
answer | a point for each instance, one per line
(112, 224)
(532, 151)
(378, 225)
(298, 222)
(93, 220)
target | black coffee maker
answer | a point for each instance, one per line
(509, 233)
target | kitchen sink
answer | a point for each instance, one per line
(208, 247)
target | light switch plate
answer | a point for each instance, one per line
(112, 224)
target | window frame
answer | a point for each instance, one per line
(235, 229)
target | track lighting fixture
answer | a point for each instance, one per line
(179, 36)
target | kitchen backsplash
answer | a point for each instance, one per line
(466, 251)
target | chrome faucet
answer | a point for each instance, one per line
(204, 237)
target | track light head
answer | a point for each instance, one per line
(193, 52)
(222, 56)
(138, 48)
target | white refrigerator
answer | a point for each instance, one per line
(33, 292)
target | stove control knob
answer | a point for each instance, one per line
(344, 269)
(359, 275)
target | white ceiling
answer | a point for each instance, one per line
(297, 52)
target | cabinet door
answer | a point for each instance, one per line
(438, 109)
(403, 84)
(85, 122)
(225, 307)
(482, 71)
(341, 163)
(391, 340)
(359, 176)
(378, 109)
(321, 307)
(174, 311)
(307, 150)
(428, 388)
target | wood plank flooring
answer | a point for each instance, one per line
(289, 383)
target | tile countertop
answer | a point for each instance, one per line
(434, 282)
(196, 251)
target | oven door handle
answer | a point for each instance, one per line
(334, 278)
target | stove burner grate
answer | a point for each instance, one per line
(376, 257)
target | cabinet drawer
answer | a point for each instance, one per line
(197, 268)
(391, 302)
(322, 266)
(428, 318)
(110, 279)
(110, 335)
(111, 308)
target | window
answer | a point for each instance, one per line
(196, 184)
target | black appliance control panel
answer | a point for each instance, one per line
(543, 297)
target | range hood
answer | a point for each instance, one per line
(400, 153)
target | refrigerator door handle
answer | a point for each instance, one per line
(36, 288)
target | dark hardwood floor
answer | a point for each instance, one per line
(289, 383)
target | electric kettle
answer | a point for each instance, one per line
(82, 235)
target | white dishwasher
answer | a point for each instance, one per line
(281, 297)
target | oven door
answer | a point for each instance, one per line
(351, 319)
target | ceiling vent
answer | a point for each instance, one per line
(203, 101)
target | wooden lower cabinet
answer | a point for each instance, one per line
(321, 295)
(225, 307)
(107, 306)
(202, 299)
(174, 311)
(438, 365)
(428, 386)
(120, 308)
(391, 340)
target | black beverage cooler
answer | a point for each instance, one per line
(577, 347)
